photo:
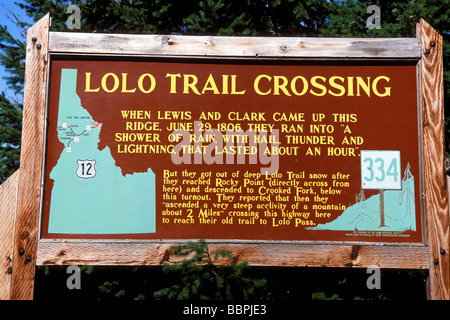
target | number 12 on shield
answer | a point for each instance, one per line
(380, 169)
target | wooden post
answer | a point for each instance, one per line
(435, 204)
(8, 206)
(26, 232)
(382, 208)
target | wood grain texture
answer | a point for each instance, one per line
(30, 161)
(257, 254)
(434, 177)
(8, 206)
(249, 47)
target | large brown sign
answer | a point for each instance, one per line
(184, 149)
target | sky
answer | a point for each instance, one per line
(5, 15)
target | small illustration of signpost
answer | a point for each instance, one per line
(381, 170)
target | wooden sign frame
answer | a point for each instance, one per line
(24, 249)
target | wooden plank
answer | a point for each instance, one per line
(257, 254)
(8, 206)
(250, 47)
(434, 177)
(30, 161)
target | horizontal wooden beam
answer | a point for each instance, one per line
(235, 47)
(58, 252)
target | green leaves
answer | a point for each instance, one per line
(200, 276)
(12, 58)
(10, 135)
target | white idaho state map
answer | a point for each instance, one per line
(90, 195)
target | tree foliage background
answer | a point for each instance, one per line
(320, 18)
